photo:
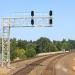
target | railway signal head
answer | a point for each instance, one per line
(50, 13)
(32, 13)
(32, 21)
(50, 21)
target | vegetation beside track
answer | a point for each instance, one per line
(21, 49)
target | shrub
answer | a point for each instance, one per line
(30, 52)
(20, 53)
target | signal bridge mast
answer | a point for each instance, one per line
(25, 21)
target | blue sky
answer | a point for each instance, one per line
(63, 18)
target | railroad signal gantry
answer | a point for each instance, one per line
(25, 21)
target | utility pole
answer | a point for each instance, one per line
(25, 21)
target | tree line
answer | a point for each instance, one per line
(26, 49)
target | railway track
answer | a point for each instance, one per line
(49, 69)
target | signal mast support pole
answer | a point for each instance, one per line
(5, 43)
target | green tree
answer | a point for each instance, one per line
(53, 48)
(72, 44)
(66, 46)
(22, 44)
(58, 44)
(0, 45)
(43, 45)
(22, 48)
(20, 53)
(30, 50)
(12, 48)
(13, 44)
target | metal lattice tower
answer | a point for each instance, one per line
(5, 43)
(24, 21)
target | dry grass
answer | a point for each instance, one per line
(4, 71)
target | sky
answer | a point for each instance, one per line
(63, 18)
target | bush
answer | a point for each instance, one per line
(20, 53)
(53, 48)
(30, 52)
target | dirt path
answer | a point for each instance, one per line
(44, 65)
(36, 68)
(47, 67)
(29, 67)
(50, 68)
(66, 66)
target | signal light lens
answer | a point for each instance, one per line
(50, 13)
(32, 21)
(50, 21)
(32, 13)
